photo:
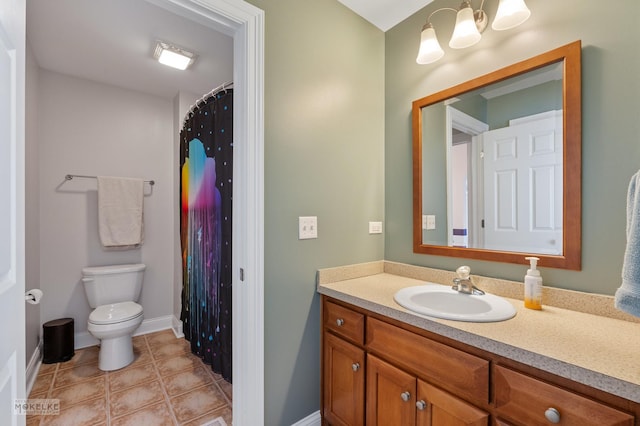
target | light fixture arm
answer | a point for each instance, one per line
(481, 18)
(440, 10)
(479, 15)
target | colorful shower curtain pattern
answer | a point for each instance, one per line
(206, 187)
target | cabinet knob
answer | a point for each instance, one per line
(355, 366)
(421, 405)
(552, 415)
(406, 396)
(339, 322)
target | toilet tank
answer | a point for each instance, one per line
(104, 285)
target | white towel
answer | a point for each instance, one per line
(627, 297)
(120, 206)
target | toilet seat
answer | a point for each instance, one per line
(115, 313)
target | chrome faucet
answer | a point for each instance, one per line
(463, 283)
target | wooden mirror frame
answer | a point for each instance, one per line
(572, 160)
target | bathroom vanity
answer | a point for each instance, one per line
(382, 365)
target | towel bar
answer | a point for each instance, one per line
(69, 177)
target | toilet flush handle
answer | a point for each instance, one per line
(87, 280)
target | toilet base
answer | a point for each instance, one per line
(116, 347)
(115, 353)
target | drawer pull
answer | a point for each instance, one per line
(406, 396)
(355, 366)
(421, 405)
(339, 322)
(552, 415)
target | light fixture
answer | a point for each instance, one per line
(511, 13)
(430, 50)
(173, 56)
(469, 26)
(465, 33)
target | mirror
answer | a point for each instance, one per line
(497, 164)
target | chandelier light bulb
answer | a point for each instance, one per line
(465, 33)
(430, 50)
(511, 13)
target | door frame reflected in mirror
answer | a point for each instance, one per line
(570, 258)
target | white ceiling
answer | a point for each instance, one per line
(385, 14)
(112, 41)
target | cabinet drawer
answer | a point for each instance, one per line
(451, 369)
(344, 321)
(525, 400)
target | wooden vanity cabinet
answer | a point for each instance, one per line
(456, 371)
(524, 400)
(381, 372)
(391, 394)
(437, 408)
(344, 378)
(343, 366)
(395, 397)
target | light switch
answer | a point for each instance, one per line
(431, 222)
(307, 227)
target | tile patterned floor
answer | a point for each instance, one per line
(165, 385)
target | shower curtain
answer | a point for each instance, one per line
(206, 163)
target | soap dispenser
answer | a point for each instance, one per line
(533, 286)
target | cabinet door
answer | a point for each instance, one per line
(390, 394)
(343, 382)
(439, 408)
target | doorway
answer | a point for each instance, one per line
(465, 205)
(244, 23)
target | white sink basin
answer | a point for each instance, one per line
(441, 301)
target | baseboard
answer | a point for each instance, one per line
(154, 324)
(312, 419)
(32, 369)
(84, 339)
(177, 327)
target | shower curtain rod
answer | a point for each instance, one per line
(223, 86)
(69, 177)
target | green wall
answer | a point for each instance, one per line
(434, 166)
(534, 100)
(338, 96)
(324, 144)
(611, 129)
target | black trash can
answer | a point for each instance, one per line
(58, 340)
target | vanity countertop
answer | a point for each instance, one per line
(597, 351)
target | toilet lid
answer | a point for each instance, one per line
(114, 313)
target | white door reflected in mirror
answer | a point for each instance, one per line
(516, 176)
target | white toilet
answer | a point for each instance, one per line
(113, 291)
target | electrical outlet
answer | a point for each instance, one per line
(307, 227)
(375, 227)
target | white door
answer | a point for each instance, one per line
(523, 185)
(12, 310)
